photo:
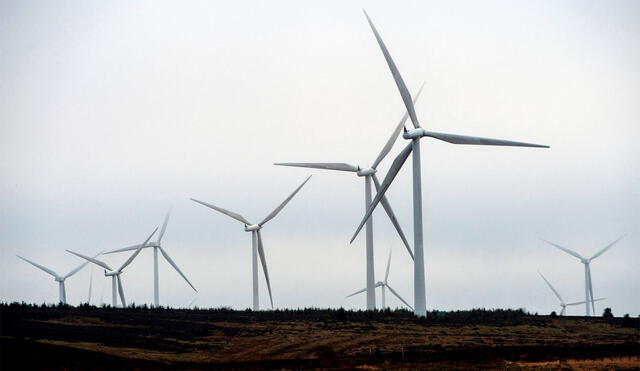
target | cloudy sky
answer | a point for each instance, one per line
(112, 112)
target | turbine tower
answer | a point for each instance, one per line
(115, 274)
(588, 287)
(414, 136)
(564, 305)
(257, 247)
(58, 278)
(369, 175)
(157, 246)
(384, 284)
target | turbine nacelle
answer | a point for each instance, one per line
(252, 227)
(59, 279)
(414, 133)
(366, 172)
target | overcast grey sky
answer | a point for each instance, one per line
(110, 112)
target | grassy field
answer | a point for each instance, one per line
(158, 339)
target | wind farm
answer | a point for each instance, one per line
(157, 246)
(369, 175)
(116, 280)
(113, 121)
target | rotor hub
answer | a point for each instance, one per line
(366, 172)
(252, 228)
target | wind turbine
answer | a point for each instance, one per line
(384, 284)
(369, 174)
(562, 303)
(414, 136)
(115, 273)
(256, 241)
(58, 278)
(588, 287)
(157, 246)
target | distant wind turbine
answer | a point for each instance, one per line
(588, 286)
(90, 284)
(157, 246)
(414, 136)
(115, 273)
(256, 241)
(384, 284)
(58, 278)
(564, 305)
(369, 174)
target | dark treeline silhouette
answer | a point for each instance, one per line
(473, 316)
(306, 314)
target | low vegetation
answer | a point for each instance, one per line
(139, 337)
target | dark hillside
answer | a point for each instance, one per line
(87, 337)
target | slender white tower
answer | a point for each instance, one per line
(257, 247)
(588, 286)
(414, 136)
(369, 175)
(157, 246)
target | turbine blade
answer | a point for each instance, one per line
(570, 252)
(90, 285)
(606, 248)
(192, 301)
(133, 256)
(264, 264)
(593, 306)
(464, 139)
(283, 204)
(93, 260)
(40, 266)
(121, 291)
(582, 302)
(387, 207)
(404, 92)
(393, 171)
(80, 267)
(394, 135)
(175, 266)
(551, 287)
(357, 292)
(235, 216)
(322, 165)
(76, 270)
(129, 248)
(399, 297)
(386, 275)
(164, 226)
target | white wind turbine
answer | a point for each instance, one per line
(369, 174)
(157, 246)
(115, 273)
(588, 286)
(384, 284)
(414, 136)
(58, 278)
(564, 305)
(256, 241)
